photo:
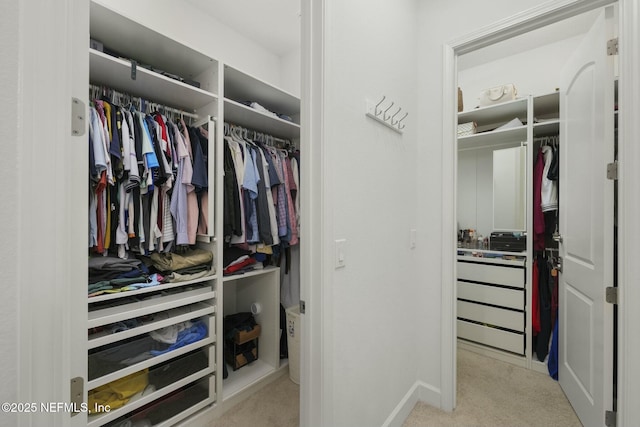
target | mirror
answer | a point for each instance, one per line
(509, 189)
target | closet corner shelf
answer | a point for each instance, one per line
(505, 137)
(242, 86)
(240, 114)
(265, 270)
(99, 420)
(116, 73)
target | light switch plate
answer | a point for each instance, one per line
(341, 253)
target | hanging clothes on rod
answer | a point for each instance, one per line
(261, 202)
(148, 175)
(545, 191)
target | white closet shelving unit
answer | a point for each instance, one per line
(219, 99)
(190, 370)
(494, 295)
(261, 286)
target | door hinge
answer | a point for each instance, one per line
(610, 418)
(76, 389)
(612, 47)
(612, 170)
(611, 295)
(77, 117)
(302, 307)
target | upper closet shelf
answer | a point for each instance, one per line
(116, 73)
(500, 113)
(245, 116)
(499, 138)
(242, 87)
(133, 40)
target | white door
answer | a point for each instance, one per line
(586, 225)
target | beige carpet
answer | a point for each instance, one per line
(494, 393)
(275, 405)
(490, 393)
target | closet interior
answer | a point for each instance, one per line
(508, 197)
(497, 287)
(193, 213)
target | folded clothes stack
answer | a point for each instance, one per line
(186, 264)
(109, 274)
(239, 261)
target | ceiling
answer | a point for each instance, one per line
(273, 24)
(561, 30)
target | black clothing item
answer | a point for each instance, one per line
(554, 169)
(284, 345)
(159, 174)
(544, 294)
(232, 253)
(232, 215)
(262, 204)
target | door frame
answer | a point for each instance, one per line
(629, 174)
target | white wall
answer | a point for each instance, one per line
(9, 43)
(533, 72)
(290, 72)
(371, 305)
(188, 25)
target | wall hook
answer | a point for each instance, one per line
(395, 122)
(384, 115)
(377, 112)
(400, 121)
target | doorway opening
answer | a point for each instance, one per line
(480, 62)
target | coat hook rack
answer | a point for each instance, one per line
(381, 114)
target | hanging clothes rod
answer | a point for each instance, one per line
(229, 127)
(547, 139)
(96, 91)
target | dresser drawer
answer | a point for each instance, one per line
(504, 297)
(491, 315)
(493, 337)
(487, 273)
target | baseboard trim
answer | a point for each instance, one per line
(420, 391)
